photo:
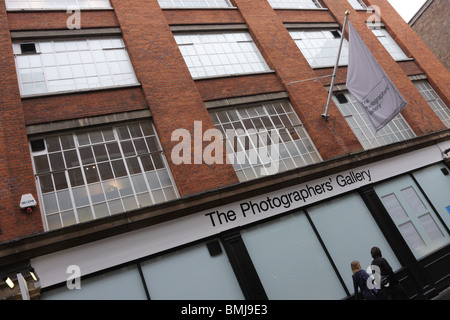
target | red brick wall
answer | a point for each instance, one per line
(169, 89)
(16, 174)
(432, 27)
(54, 20)
(83, 104)
(203, 16)
(222, 88)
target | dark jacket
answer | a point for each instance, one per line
(385, 269)
(360, 282)
(394, 291)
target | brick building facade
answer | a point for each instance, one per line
(430, 23)
(88, 116)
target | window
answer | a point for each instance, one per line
(412, 214)
(92, 174)
(194, 3)
(295, 4)
(396, 130)
(57, 4)
(191, 273)
(321, 47)
(218, 54)
(358, 4)
(391, 46)
(290, 260)
(254, 149)
(49, 66)
(434, 101)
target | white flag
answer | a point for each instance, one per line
(370, 85)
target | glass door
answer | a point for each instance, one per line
(413, 215)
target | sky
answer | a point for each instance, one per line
(406, 8)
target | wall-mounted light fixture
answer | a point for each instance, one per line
(9, 281)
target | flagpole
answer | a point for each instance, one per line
(327, 108)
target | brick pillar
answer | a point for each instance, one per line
(170, 91)
(417, 113)
(407, 38)
(16, 173)
(332, 138)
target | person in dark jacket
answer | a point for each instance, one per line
(360, 277)
(390, 288)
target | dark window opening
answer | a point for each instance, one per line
(336, 34)
(37, 145)
(342, 99)
(28, 47)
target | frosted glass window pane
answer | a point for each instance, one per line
(99, 171)
(59, 4)
(203, 53)
(389, 44)
(320, 48)
(291, 140)
(290, 260)
(395, 208)
(191, 274)
(72, 64)
(121, 284)
(295, 4)
(411, 236)
(395, 131)
(431, 227)
(435, 102)
(335, 221)
(413, 199)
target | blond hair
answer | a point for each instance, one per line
(355, 266)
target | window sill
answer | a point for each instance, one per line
(234, 75)
(301, 9)
(202, 8)
(49, 94)
(56, 9)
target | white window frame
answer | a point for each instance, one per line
(45, 5)
(105, 65)
(155, 189)
(220, 53)
(389, 44)
(396, 130)
(319, 57)
(180, 4)
(293, 146)
(358, 4)
(433, 99)
(295, 4)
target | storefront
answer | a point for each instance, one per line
(288, 243)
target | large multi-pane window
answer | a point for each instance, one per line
(265, 139)
(211, 54)
(357, 4)
(295, 4)
(57, 4)
(434, 101)
(194, 3)
(396, 130)
(48, 66)
(389, 44)
(92, 174)
(321, 47)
